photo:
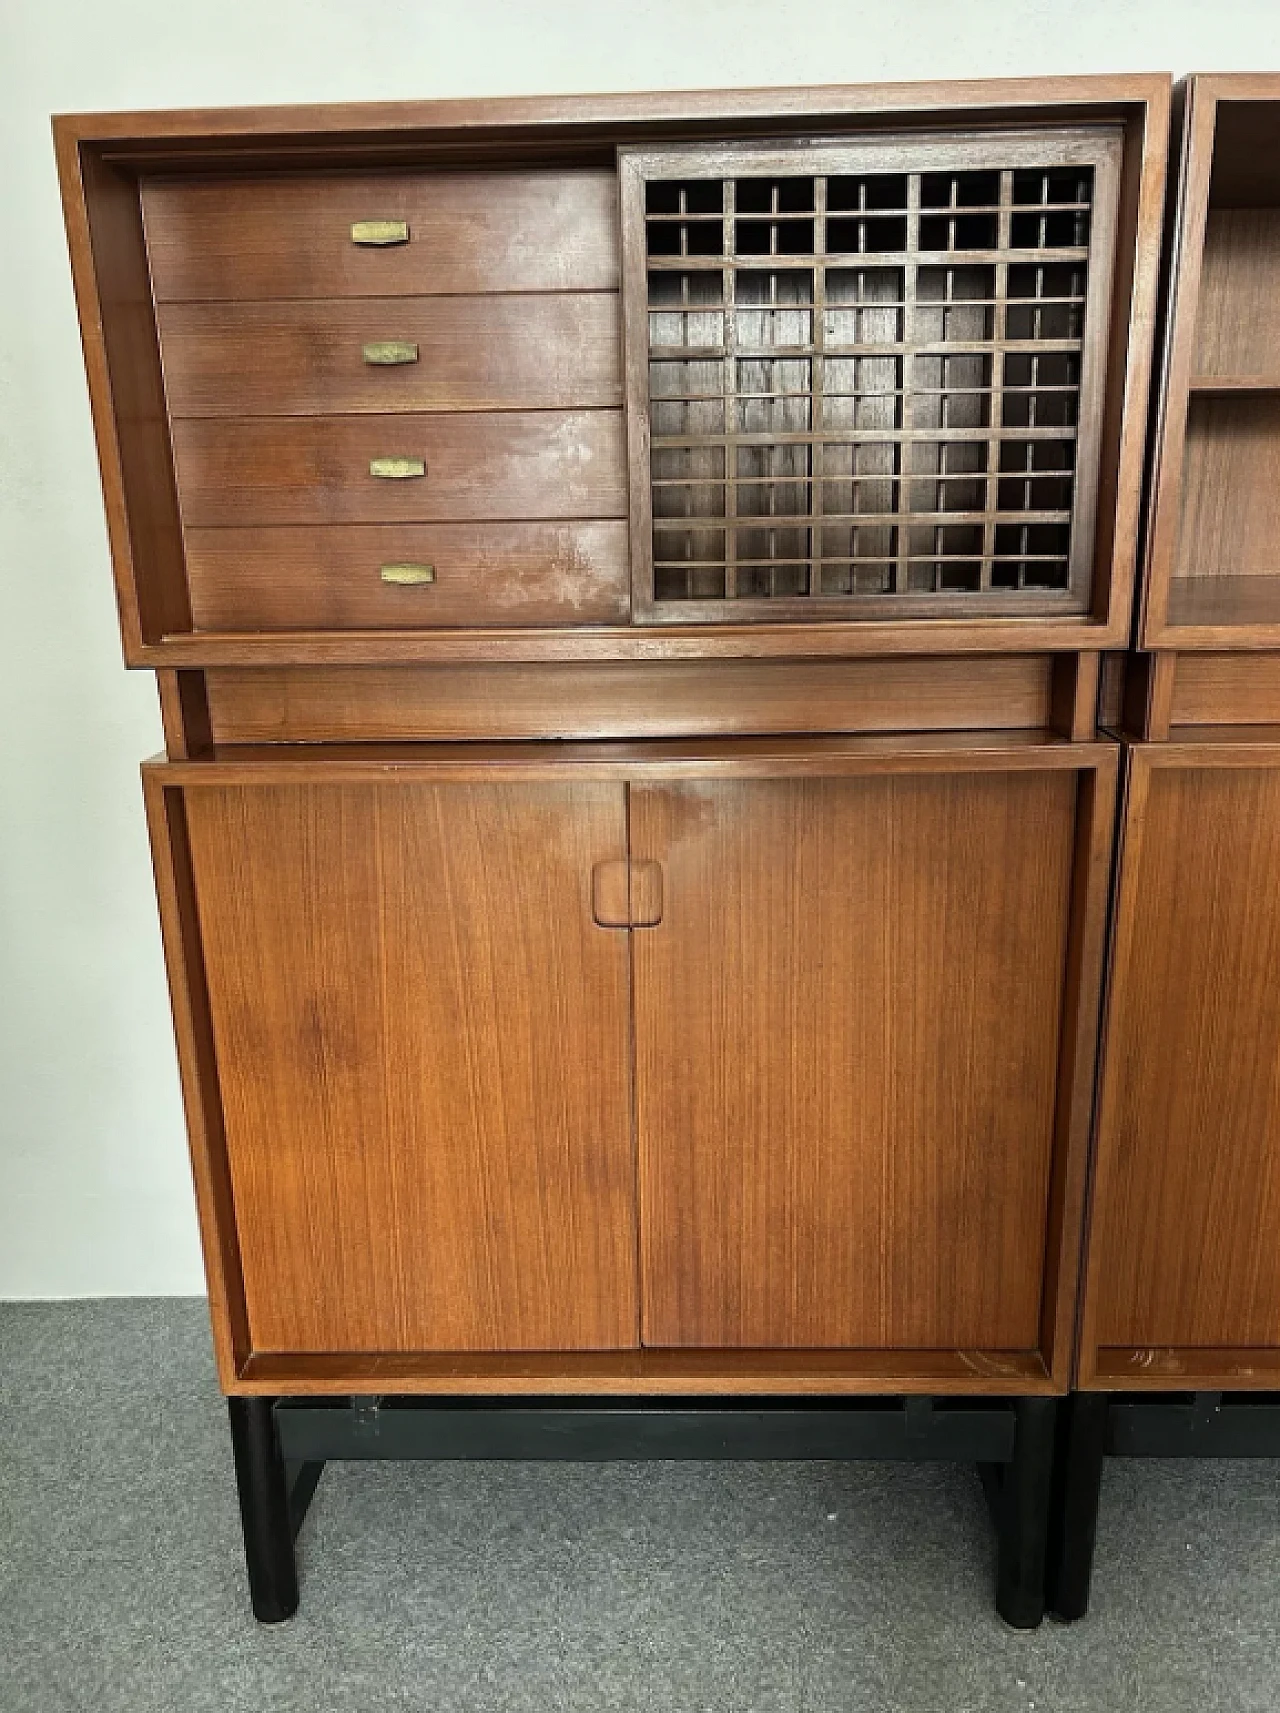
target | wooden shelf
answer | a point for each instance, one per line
(1235, 384)
(1214, 599)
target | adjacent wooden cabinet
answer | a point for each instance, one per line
(1183, 1282)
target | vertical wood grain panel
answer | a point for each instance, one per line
(422, 1044)
(847, 1046)
(1186, 1228)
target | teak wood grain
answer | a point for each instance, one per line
(422, 1049)
(615, 699)
(1227, 689)
(328, 576)
(1230, 521)
(511, 465)
(1184, 1257)
(847, 1038)
(515, 352)
(1237, 328)
(254, 236)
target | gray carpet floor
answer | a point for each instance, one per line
(694, 1588)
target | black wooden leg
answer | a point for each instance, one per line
(1020, 1494)
(264, 1509)
(1082, 1441)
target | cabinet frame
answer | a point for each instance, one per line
(102, 157)
(1046, 1370)
(1199, 98)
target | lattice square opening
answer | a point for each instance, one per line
(871, 385)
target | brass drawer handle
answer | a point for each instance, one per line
(390, 351)
(408, 576)
(380, 233)
(397, 469)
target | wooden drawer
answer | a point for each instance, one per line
(472, 353)
(290, 237)
(485, 574)
(519, 465)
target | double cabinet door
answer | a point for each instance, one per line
(779, 1048)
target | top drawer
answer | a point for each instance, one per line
(292, 237)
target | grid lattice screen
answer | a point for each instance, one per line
(865, 385)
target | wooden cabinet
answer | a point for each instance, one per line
(628, 579)
(762, 1047)
(1183, 1282)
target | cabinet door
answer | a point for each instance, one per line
(847, 1064)
(1184, 1263)
(422, 1049)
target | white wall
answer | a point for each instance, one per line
(94, 1190)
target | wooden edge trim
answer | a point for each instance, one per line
(669, 1373)
(1127, 863)
(1178, 1368)
(850, 639)
(704, 106)
(1215, 747)
(1132, 314)
(175, 890)
(184, 714)
(1074, 689)
(1187, 211)
(478, 763)
(1078, 1060)
(84, 282)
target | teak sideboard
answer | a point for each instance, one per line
(628, 579)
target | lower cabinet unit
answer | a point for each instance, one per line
(1180, 1338)
(746, 1066)
(1184, 1257)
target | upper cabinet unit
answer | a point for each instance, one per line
(794, 372)
(1214, 550)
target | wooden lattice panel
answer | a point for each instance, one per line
(867, 378)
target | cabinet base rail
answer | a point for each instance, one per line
(1096, 1425)
(282, 1444)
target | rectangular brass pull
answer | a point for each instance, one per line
(408, 575)
(397, 469)
(380, 233)
(389, 352)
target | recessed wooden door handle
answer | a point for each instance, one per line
(378, 234)
(626, 895)
(610, 901)
(397, 469)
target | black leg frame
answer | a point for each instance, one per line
(281, 1446)
(1097, 1425)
